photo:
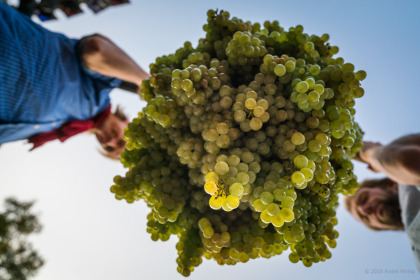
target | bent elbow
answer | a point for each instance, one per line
(93, 50)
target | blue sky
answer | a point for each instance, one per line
(89, 235)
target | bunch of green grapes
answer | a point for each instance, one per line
(245, 144)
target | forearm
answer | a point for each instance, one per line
(411, 139)
(400, 160)
(101, 55)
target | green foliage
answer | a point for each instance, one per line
(18, 260)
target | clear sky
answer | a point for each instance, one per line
(88, 235)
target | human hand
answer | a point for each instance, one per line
(367, 154)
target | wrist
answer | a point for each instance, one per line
(369, 155)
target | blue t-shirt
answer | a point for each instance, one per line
(42, 82)
(409, 198)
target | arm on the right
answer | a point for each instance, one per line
(399, 160)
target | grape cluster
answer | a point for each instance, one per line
(245, 144)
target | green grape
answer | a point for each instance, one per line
(236, 189)
(258, 111)
(265, 217)
(287, 214)
(233, 160)
(291, 193)
(300, 161)
(293, 257)
(250, 103)
(287, 202)
(302, 87)
(232, 201)
(298, 138)
(248, 157)
(259, 205)
(242, 178)
(208, 232)
(255, 124)
(308, 173)
(240, 116)
(280, 70)
(314, 146)
(277, 220)
(212, 176)
(360, 75)
(195, 75)
(273, 209)
(266, 198)
(221, 168)
(216, 202)
(290, 66)
(322, 138)
(298, 178)
(314, 70)
(187, 85)
(279, 194)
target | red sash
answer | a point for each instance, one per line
(69, 129)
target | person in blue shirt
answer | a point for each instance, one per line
(391, 203)
(53, 87)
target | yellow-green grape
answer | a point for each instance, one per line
(258, 111)
(259, 205)
(360, 75)
(212, 176)
(308, 173)
(203, 223)
(250, 103)
(290, 66)
(298, 138)
(266, 198)
(187, 85)
(255, 124)
(298, 178)
(210, 187)
(225, 206)
(300, 161)
(277, 220)
(232, 201)
(236, 189)
(302, 87)
(273, 209)
(314, 146)
(280, 70)
(265, 217)
(287, 202)
(291, 193)
(216, 202)
(279, 194)
(287, 214)
(221, 168)
(293, 257)
(208, 232)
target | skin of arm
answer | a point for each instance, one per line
(399, 160)
(100, 54)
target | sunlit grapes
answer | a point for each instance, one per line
(244, 144)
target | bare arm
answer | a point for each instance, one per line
(101, 55)
(399, 160)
